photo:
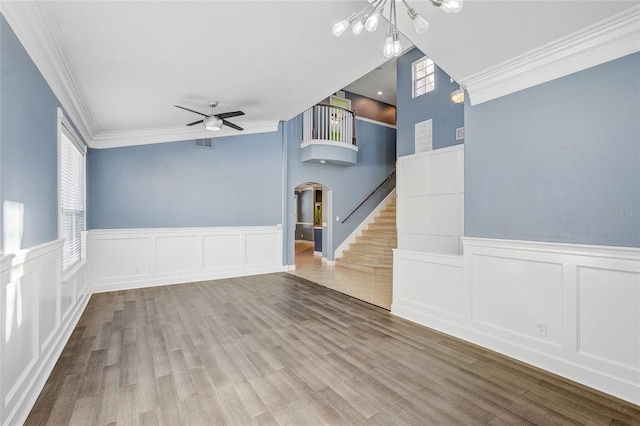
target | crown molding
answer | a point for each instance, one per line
(36, 26)
(122, 138)
(604, 41)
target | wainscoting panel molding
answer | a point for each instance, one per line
(430, 198)
(135, 258)
(570, 309)
(39, 311)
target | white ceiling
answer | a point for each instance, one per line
(130, 61)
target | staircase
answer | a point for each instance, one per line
(372, 251)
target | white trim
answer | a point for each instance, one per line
(379, 123)
(122, 138)
(613, 252)
(325, 142)
(35, 25)
(604, 41)
(351, 239)
(459, 146)
(495, 294)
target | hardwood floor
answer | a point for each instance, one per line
(277, 349)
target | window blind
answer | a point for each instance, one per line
(72, 197)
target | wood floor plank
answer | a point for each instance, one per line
(278, 349)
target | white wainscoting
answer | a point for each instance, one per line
(40, 309)
(571, 309)
(430, 191)
(135, 258)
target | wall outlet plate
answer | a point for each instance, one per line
(541, 328)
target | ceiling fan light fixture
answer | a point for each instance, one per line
(212, 123)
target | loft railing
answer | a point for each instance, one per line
(329, 123)
(389, 176)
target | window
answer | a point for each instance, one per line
(423, 76)
(71, 175)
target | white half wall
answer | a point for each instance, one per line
(430, 189)
(40, 308)
(570, 309)
(136, 258)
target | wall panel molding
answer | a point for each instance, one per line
(136, 258)
(430, 189)
(570, 309)
(40, 311)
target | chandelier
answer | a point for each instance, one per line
(369, 17)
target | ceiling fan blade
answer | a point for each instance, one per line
(233, 126)
(195, 122)
(190, 110)
(229, 114)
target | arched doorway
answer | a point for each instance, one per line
(312, 234)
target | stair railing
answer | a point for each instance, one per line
(389, 176)
(329, 123)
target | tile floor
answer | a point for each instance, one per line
(372, 288)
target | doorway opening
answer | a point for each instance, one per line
(310, 229)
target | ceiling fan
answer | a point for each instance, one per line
(214, 121)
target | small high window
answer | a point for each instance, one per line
(423, 76)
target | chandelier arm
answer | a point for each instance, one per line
(392, 16)
(411, 11)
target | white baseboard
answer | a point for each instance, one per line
(351, 239)
(570, 309)
(135, 282)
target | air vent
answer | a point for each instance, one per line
(205, 143)
(459, 133)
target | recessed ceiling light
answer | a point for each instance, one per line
(323, 161)
(379, 92)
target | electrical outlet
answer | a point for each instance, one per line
(541, 328)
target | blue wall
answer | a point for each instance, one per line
(238, 183)
(28, 142)
(435, 105)
(558, 162)
(350, 185)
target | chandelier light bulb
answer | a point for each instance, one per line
(397, 47)
(372, 21)
(340, 27)
(420, 24)
(387, 51)
(452, 6)
(358, 27)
